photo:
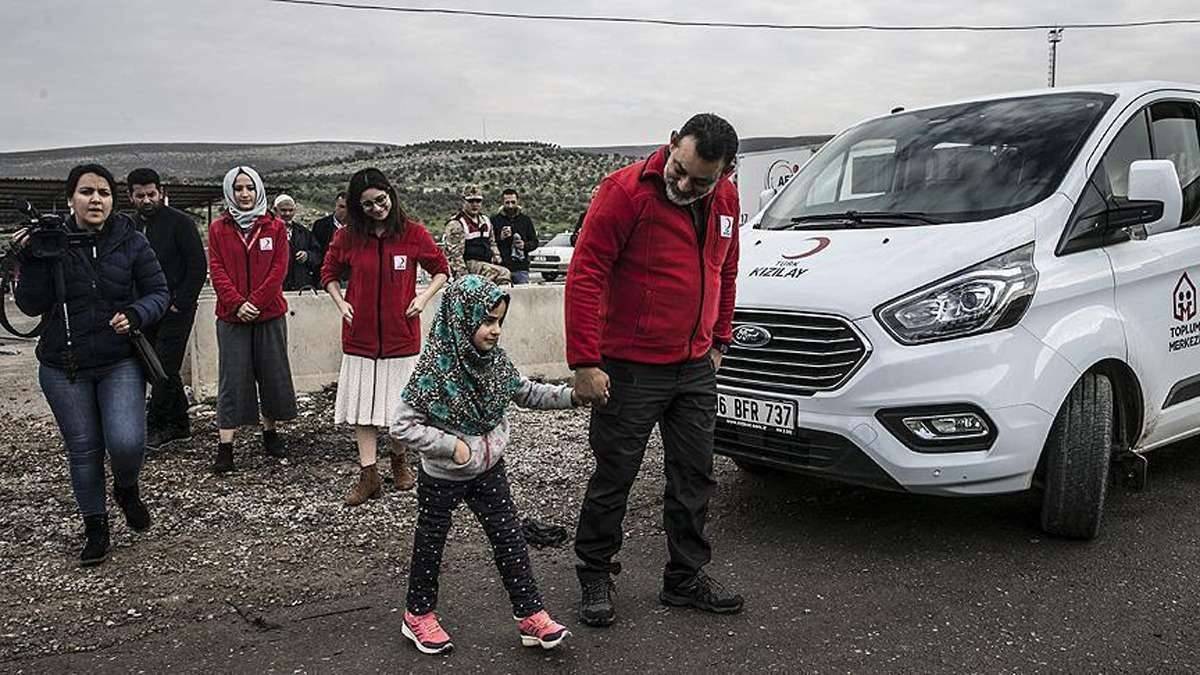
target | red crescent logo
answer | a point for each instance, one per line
(822, 244)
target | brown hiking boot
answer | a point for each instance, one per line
(402, 473)
(367, 487)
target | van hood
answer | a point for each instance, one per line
(850, 272)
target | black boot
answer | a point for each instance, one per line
(702, 592)
(95, 550)
(137, 517)
(273, 444)
(224, 463)
(595, 603)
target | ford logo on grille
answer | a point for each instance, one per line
(751, 336)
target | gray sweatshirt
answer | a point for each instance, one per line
(436, 446)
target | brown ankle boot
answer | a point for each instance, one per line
(402, 473)
(367, 487)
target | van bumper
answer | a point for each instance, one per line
(1017, 381)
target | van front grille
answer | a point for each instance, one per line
(791, 352)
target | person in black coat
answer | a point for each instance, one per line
(176, 242)
(324, 228)
(88, 372)
(307, 255)
(515, 236)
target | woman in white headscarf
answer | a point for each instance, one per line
(248, 260)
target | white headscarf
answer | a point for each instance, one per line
(245, 218)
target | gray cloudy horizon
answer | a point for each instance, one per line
(241, 71)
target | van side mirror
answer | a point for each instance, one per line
(1155, 181)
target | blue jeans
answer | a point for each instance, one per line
(103, 409)
(521, 277)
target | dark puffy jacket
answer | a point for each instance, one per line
(120, 274)
(302, 275)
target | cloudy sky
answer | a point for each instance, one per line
(81, 72)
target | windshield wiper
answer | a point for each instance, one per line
(853, 218)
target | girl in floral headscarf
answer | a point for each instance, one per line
(452, 413)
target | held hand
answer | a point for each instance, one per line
(497, 260)
(417, 305)
(120, 323)
(716, 356)
(506, 232)
(462, 452)
(20, 239)
(591, 386)
(247, 312)
(519, 244)
(173, 309)
(576, 400)
(301, 256)
(347, 313)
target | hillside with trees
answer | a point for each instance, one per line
(555, 182)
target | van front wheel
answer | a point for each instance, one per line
(1077, 458)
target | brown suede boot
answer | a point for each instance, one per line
(367, 487)
(402, 473)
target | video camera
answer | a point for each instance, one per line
(49, 236)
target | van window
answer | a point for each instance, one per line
(966, 162)
(1109, 183)
(1175, 127)
(1132, 144)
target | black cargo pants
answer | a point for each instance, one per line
(682, 400)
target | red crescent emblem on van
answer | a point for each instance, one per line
(822, 244)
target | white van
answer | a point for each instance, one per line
(977, 298)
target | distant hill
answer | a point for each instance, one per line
(757, 144)
(180, 161)
(555, 182)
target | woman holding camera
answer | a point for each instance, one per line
(381, 317)
(94, 384)
(248, 258)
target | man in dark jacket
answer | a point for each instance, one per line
(305, 265)
(515, 236)
(176, 241)
(649, 313)
(324, 228)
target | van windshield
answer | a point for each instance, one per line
(959, 163)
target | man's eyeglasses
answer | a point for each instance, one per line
(379, 202)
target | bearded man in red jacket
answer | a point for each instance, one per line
(649, 313)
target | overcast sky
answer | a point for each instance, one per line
(82, 72)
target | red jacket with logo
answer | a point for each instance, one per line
(383, 282)
(248, 269)
(640, 287)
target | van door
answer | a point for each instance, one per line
(1156, 278)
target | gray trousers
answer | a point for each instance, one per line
(253, 367)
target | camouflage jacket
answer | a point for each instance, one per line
(454, 242)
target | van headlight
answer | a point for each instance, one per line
(989, 296)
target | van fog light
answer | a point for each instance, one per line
(947, 427)
(954, 427)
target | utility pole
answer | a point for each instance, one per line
(1055, 37)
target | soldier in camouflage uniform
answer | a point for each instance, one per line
(469, 243)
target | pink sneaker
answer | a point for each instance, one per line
(540, 630)
(426, 633)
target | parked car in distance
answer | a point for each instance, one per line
(552, 258)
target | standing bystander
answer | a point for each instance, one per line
(515, 236)
(177, 244)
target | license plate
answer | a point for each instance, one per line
(537, 258)
(757, 413)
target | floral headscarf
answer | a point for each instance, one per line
(458, 387)
(245, 218)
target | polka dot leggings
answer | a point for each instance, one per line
(489, 498)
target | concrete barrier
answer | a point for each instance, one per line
(533, 338)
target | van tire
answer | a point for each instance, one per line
(549, 276)
(1077, 458)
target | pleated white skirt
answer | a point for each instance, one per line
(369, 390)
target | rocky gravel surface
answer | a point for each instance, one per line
(273, 535)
